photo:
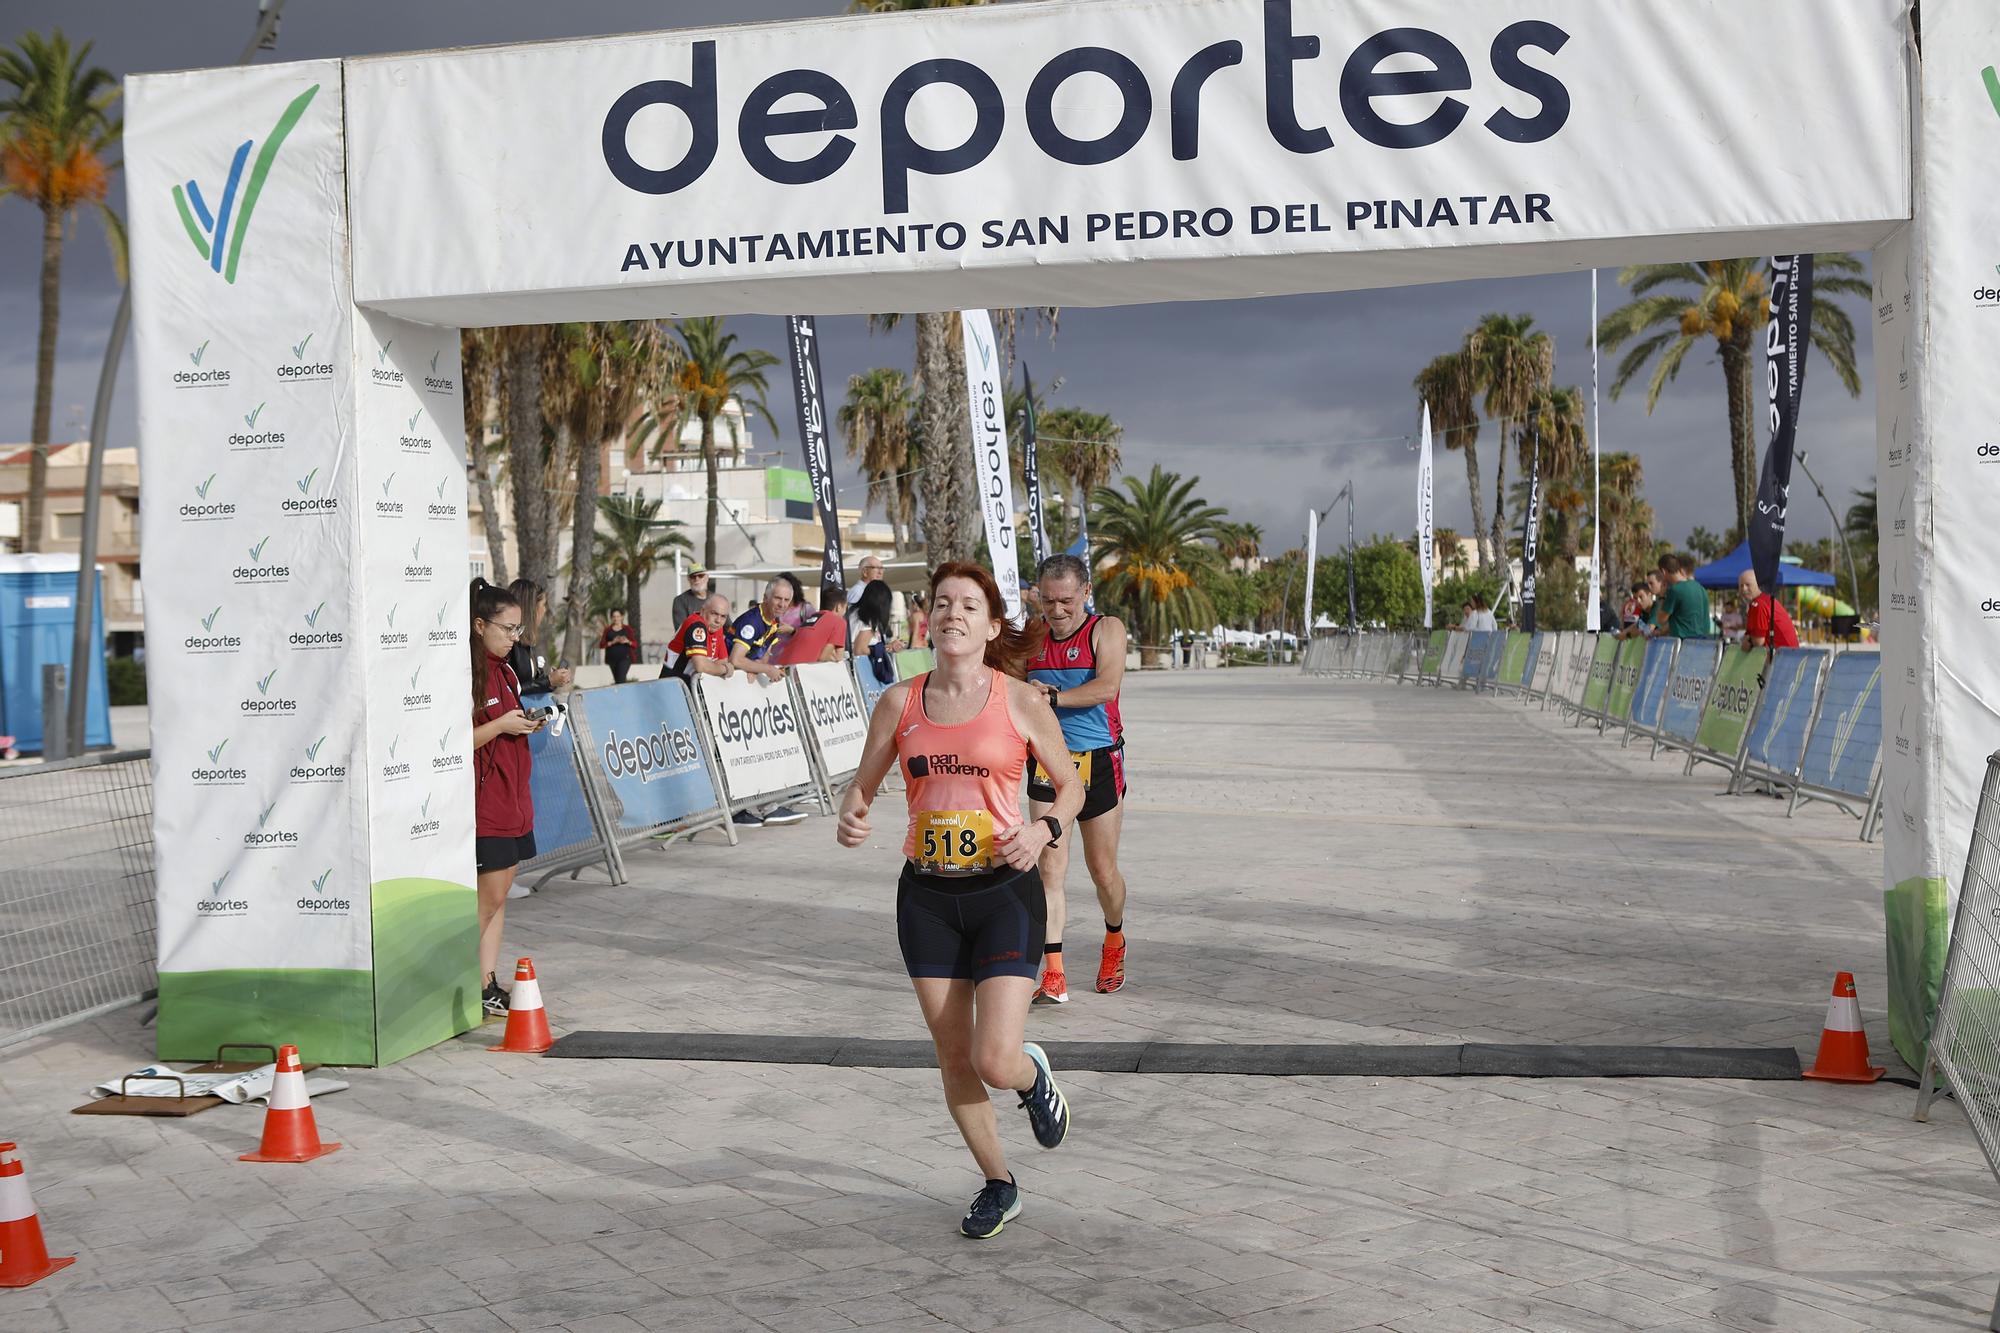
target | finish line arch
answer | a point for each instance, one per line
(309, 238)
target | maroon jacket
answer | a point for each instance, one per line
(501, 766)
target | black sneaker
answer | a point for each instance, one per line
(992, 1209)
(494, 1000)
(744, 819)
(1048, 1109)
(784, 814)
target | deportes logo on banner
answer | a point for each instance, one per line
(644, 742)
(806, 390)
(1031, 475)
(756, 731)
(1785, 341)
(833, 710)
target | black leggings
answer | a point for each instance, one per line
(976, 927)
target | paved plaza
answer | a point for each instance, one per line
(1310, 861)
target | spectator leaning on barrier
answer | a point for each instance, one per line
(503, 802)
(868, 630)
(1759, 611)
(1638, 609)
(702, 642)
(690, 602)
(1686, 615)
(1480, 616)
(821, 635)
(619, 645)
(754, 640)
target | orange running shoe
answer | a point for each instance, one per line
(1053, 990)
(1111, 969)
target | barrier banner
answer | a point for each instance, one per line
(1514, 658)
(1434, 653)
(644, 749)
(986, 398)
(1846, 742)
(1598, 688)
(1496, 649)
(1547, 647)
(914, 662)
(1576, 668)
(1472, 666)
(834, 715)
(565, 833)
(1624, 680)
(803, 338)
(871, 688)
(1725, 718)
(756, 732)
(1456, 642)
(1687, 690)
(1650, 695)
(1777, 739)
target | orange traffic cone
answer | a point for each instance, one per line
(290, 1133)
(24, 1259)
(1843, 1045)
(527, 1022)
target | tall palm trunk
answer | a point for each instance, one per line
(524, 451)
(479, 376)
(45, 380)
(1736, 371)
(708, 461)
(1478, 505)
(1499, 539)
(633, 587)
(583, 548)
(967, 504)
(942, 477)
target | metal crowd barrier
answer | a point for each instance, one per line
(1811, 728)
(76, 891)
(1964, 1044)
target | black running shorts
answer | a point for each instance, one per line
(976, 927)
(491, 854)
(1103, 788)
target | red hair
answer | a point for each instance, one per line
(1013, 648)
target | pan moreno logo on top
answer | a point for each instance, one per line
(217, 231)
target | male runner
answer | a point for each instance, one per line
(1080, 667)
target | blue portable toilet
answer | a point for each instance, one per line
(38, 627)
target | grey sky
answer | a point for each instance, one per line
(1255, 396)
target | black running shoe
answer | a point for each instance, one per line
(494, 1000)
(1048, 1109)
(992, 1209)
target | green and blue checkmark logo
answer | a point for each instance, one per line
(198, 353)
(264, 685)
(382, 353)
(312, 751)
(212, 231)
(299, 348)
(202, 490)
(412, 425)
(387, 482)
(250, 417)
(215, 754)
(1991, 77)
(312, 616)
(305, 482)
(265, 815)
(319, 881)
(208, 621)
(257, 551)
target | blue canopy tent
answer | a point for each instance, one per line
(1724, 572)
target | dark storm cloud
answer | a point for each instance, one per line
(1255, 396)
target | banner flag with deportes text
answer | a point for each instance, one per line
(1530, 528)
(986, 398)
(1785, 341)
(803, 338)
(1426, 538)
(1038, 533)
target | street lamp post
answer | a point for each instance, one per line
(1839, 532)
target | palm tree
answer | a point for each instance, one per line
(1864, 543)
(1727, 300)
(1627, 519)
(876, 419)
(1082, 446)
(478, 371)
(714, 370)
(56, 133)
(632, 539)
(521, 351)
(1239, 543)
(1511, 363)
(1150, 541)
(1557, 424)
(1449, 386)
(1450, 550)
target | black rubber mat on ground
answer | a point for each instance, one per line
(1113, 1057)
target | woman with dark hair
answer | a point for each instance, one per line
(868, 628)
(504, 832)
(530, 664)
(970, 909)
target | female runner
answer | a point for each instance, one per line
(970, 910)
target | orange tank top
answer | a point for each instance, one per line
(964, 782)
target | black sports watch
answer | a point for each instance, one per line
(1055, 829)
